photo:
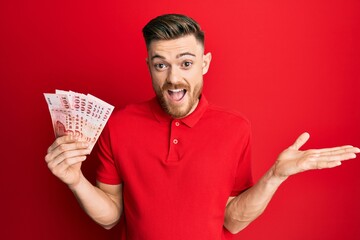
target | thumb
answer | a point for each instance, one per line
(300, 141)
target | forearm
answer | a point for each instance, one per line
(247, 206)
(102, 207)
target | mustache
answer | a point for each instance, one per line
(168, 86)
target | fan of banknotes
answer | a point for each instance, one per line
(82, 115)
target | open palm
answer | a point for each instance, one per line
(292, 160)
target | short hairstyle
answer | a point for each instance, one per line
(170, 27)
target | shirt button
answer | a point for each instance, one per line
(177, 124)
(175, 141)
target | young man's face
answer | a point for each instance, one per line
(177, 68)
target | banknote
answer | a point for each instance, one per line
(61, 114)
(82, 115)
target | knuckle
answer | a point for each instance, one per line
(67, 162)
(346, 150)
(82, 144)
(65, 155)
(48, 150)
(62, 147)
(56, 171)
(321, 165)
(57, 141)
(52, 168)
(79, 145)
(61, 140)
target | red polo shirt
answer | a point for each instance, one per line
(177, 174)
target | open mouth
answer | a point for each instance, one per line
(176, 94)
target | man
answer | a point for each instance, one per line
(175, 166)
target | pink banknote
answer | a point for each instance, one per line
(78, 114)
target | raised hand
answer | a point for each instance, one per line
(292, 160)
(64, 158)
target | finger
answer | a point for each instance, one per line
(337, 150)
(336, 157)
(70, 162)
(61, 140)
(62, 168)
(67, 155)
(70, 154)
(300, 141)
(322, 165)
(69, 147)
(72, 150)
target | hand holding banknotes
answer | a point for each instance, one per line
(78, 121)
(78, 114)
(64, 158)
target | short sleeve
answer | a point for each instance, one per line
(107, 171)
(243, 175)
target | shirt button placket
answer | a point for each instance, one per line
(174, 141)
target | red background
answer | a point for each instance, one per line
(289, 66)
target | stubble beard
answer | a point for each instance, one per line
(178, 111)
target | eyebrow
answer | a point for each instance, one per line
(185, 54)
(177, 56)
(157, 56)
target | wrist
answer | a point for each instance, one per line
(78, 184)
(274, 177)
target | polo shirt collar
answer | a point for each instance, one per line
(189, 120)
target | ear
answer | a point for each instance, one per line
(206, 63)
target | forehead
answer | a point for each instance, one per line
(167, 48)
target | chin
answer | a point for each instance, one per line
(178, 113)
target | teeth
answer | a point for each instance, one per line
(176, 90)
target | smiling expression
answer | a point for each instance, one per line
(177, 68)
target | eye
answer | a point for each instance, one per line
(160, 66)
(187, 64)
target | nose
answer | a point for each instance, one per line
(173, 76)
